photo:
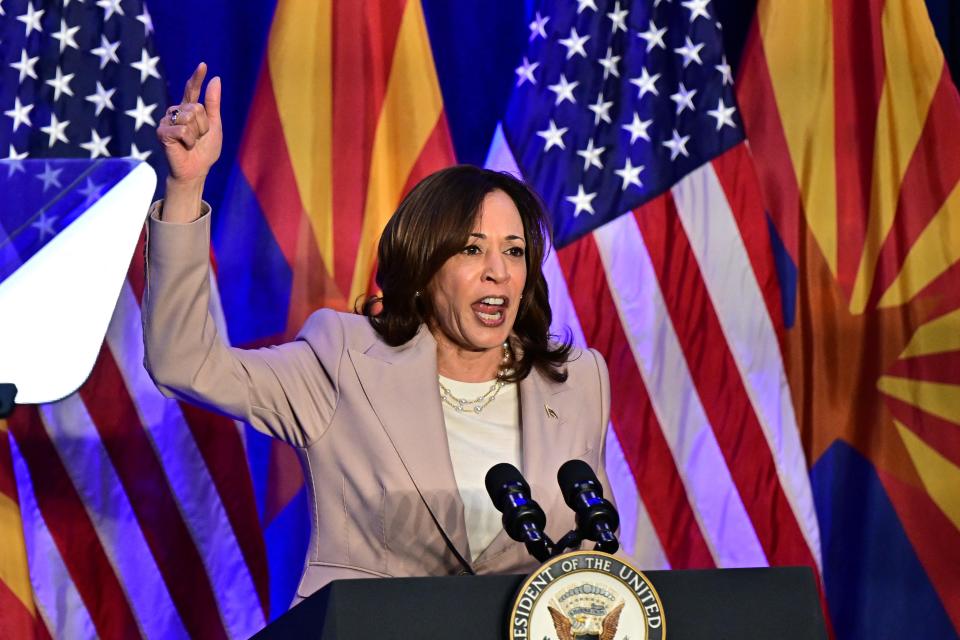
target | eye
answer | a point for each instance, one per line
(516, 252)
(471, 250)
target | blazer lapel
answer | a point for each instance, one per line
(542, 417)
(401, 385)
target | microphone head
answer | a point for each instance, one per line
(499, 477)
(572, 476)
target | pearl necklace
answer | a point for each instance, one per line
(478, 404)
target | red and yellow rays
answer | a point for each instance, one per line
(850, 105)
(357, 104)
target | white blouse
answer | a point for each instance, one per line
(477, 442)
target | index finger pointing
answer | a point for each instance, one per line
(191, 93)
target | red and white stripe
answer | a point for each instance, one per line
(729, 277)
(132, 525)
(57, 599)
(704, 454)
(186, 472)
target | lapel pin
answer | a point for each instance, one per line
(550, 412)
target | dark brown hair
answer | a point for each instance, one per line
(432, 224)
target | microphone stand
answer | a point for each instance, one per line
(571, 540)
(540, 547)
(607, 543)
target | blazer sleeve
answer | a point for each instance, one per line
(287, 391)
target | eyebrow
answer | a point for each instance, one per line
(483, 236)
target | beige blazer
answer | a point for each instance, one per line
(366, 420)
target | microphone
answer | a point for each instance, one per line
(523, 519)
(597, 519)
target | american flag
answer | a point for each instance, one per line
(137, 512)
(79, 80)
(623, 117)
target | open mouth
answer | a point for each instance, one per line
(491, 310)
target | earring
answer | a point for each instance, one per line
(504, 363)
(416, 294)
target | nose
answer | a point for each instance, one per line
(495, 268)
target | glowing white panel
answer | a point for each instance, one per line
(54, 309)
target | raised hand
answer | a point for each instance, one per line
(191, 132)
(192, 135)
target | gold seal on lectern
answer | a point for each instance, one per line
(587, 595)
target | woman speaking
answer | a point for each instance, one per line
(396, 413)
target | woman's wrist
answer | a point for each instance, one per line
(182, 201)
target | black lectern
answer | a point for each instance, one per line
(780, 603)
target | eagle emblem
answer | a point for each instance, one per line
(586, 612)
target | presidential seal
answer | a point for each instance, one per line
(587, 595)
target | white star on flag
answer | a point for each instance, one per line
(646, 83)
(723, 115)
(90, 191)
(653, 36)
(684, 98)
(61, 84)
(677, 145)
(538, 28)
(50, 176)
(14, 162)
(574, 44)
(630, 175)
(591, 155)
(146, 20)
(724, 70)
(26, 65)
(97, 145)
(103, 99)
(618, 17)
(110, 7)
(147, 66)
(20, 113)
(31, 19)
(609, 64)
(690, 52)
(525, 72)
(142, 114)
(564, 90)
(582, 201)
(65, 36)
(601, 110)
(553, 136)
(698, 8)
(136, 154)
(586, 4)
(107, 51)
(56, 130)
(638, 128)
(44, 225)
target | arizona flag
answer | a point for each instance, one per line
(854, 117)
(347, 116)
